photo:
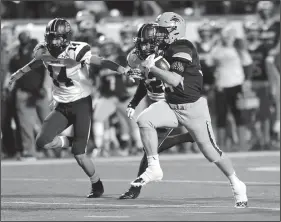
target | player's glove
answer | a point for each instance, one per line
(148, 63)
(135, 73)
(130, 111)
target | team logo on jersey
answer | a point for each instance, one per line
(177, 66)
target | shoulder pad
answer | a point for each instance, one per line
(39, 50)
(182, 49)
(80, 49)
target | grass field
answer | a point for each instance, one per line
(192, 189)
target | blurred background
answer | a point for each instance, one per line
(109, 27)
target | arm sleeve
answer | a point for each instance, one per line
(139, 95)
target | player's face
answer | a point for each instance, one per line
(145, 48)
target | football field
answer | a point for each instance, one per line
(192, 189)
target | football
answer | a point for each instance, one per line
(162, 63)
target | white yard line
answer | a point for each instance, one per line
(164, 157)
(97, 216)
(134, 205)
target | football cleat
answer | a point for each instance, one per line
(150, 174)
(240, 195)
(132, 193)
(97, 190)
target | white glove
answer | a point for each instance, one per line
(148, 63)
(130, 112)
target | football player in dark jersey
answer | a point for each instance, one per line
(260, 84)
(270, 24)
(112, 90)
(204, 45)
(183, 105)
(147, 43)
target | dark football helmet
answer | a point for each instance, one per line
(150, 38)
(57, 36)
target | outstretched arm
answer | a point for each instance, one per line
(105, 63)
(33, 64)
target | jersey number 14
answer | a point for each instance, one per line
(61, 78)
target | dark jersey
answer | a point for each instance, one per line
(258, 53)
(184, 60)
(270, 34)
(203, 50)
(112, 83)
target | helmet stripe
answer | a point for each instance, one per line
(55, 24)
(52, 26)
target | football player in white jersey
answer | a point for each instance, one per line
(67, 63)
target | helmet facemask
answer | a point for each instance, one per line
(150, 40)
(57, 36)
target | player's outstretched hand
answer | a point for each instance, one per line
(135, 73)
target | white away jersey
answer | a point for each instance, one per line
(70, 71)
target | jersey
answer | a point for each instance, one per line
(69, 71)
(203, 49)
(270, 34)
(112, 83)
(184, 60)
(258, 53)
(154, 86)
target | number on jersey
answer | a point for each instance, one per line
(61, 78)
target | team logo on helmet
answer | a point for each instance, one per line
(175, 19)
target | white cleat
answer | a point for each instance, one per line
(151, 174)
(240, 194)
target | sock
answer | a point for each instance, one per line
(95, 178)
(153, 161)
(233, 179)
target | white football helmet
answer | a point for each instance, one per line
(174, 23)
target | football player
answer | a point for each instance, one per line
(183, 105)
(147, 42)
(260, 84)
(87, 29)
(67, 63)
(112, 90)
(206, 32)
(269, 22)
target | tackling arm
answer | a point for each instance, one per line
(34, 63)
(105, 63)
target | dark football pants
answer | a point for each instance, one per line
(78, 114)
